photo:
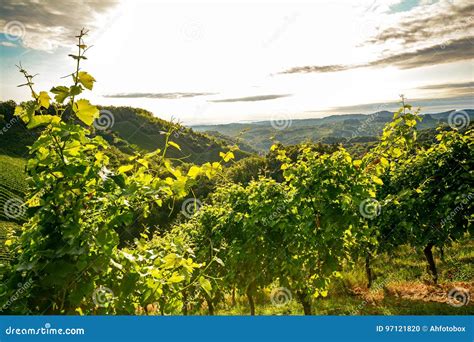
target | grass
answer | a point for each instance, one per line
(6, 228)
(12, 186)
(12, 182)
(12, 173)
(401, 287)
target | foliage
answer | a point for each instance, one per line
(328, 191)
(69, 246)
(437, 177)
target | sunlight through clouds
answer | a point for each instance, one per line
(325, 54)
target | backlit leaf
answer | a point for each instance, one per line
(86, 79)
(205, 284)
(42, 120)
(86, 112)
(61, 93)
(175, 145)
(44, 99)
(377, 180)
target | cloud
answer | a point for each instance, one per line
(46, 25)
(436, 22)
(448, 86)
(168, 96)
(450, 89)
(317, 68)
(427, 104)
(253, 98)
(8, 44)
(447, 52)
(428, 34)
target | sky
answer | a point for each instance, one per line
(227, 61)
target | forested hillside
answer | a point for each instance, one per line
(346, 129)
(128, 129)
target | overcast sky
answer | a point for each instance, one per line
(222, 61)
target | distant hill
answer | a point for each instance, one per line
(334, 128)
(132, 129)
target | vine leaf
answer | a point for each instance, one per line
(44, 99)
(175, 145)
(42, 120)
(86, 79)
(226, 156)
(61, 93)
(85, 111)
(205, 284)
(377, 180)
(194, 171)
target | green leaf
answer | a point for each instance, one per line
(176, 278)
(175, 145)
(124, 169)
(61, 93)
(77, 57)
(21, 112)
(226, 156)
(86, 79)
(75, 90)
(42, 120)
(85, 111)
(205, 284)
(384, 162)
(194, 171)
(396, 152)
(144, 162)
(377, 180)
(44, 99)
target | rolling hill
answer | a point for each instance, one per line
(334, 128)
(128, 129)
